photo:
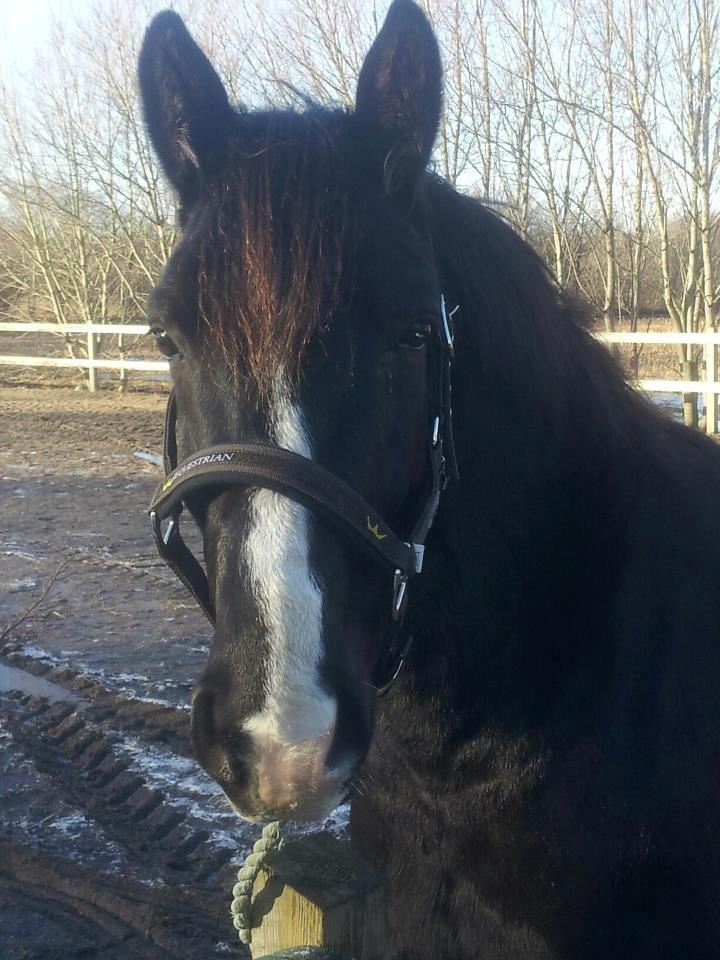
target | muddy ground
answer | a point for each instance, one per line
(112, 841)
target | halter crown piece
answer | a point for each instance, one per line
(262, 464)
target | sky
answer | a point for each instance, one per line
(25, 25)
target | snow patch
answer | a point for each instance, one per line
(20, 586)
(71, 826)
(38, 653)
(125, 683)
(10, 549)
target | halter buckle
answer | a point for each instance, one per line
(401, 580)
(158, 530)
(399, 595)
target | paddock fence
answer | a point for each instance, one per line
(90, 333)
(708, 386)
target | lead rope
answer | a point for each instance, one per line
(241, 906)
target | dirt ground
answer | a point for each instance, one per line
(73, 499)
(113, 843)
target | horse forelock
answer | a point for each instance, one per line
(272, 251)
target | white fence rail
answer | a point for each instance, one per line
(91, 362)
(709, 386)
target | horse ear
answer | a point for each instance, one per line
(399, 93)
(186, 107)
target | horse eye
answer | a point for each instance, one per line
(416, 336)
(165, 345)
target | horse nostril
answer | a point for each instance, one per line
(237, 748)
(204, 733)
(203, 719)
(221, 747)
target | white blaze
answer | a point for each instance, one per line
(297, 712)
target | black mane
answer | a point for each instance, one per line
(531, 339)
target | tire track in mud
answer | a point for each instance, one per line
(80, 915)
(80, 746)
(154, 722)
(82, 762)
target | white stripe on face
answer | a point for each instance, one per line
(298, 713)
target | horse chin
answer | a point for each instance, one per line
(305, 810)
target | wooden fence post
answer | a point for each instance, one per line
(710, 396)
(317, 892)
(92, 376)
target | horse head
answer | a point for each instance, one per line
(297, 309)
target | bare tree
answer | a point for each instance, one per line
(593, 127)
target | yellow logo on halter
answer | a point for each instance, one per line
(168, 483)
(375, 530)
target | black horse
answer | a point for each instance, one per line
(543, 776)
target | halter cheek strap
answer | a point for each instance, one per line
(260, 464)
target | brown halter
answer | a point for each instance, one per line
(260, 464)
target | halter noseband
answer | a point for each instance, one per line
(261, 464)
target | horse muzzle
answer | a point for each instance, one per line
(265, 772)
